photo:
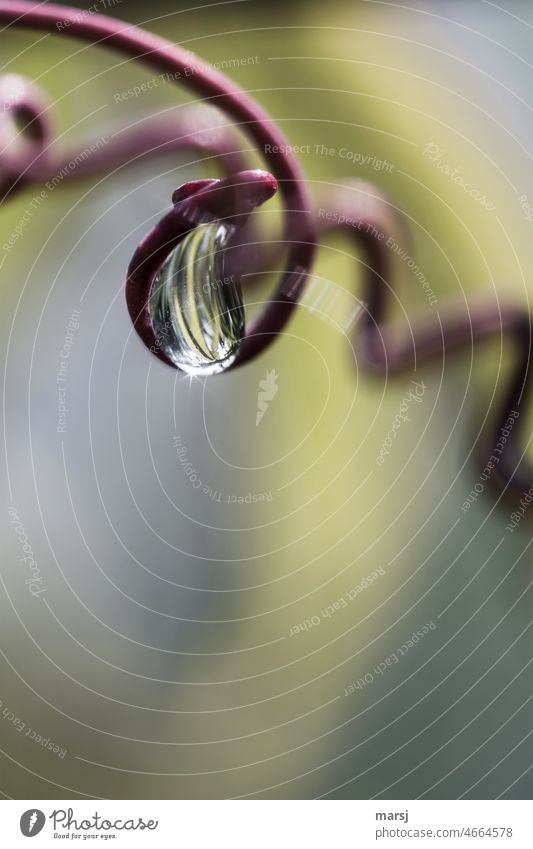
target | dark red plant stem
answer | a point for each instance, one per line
(125, 146)
(383, 347)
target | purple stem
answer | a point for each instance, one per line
(385, 347)
(168, 58)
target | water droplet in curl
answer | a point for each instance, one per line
(196, 308)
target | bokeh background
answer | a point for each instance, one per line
(159, 659)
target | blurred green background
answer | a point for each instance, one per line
(161, 657)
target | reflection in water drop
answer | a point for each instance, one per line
(197, 311)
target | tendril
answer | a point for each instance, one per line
(31, 154)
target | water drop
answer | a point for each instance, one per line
(196, 309)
